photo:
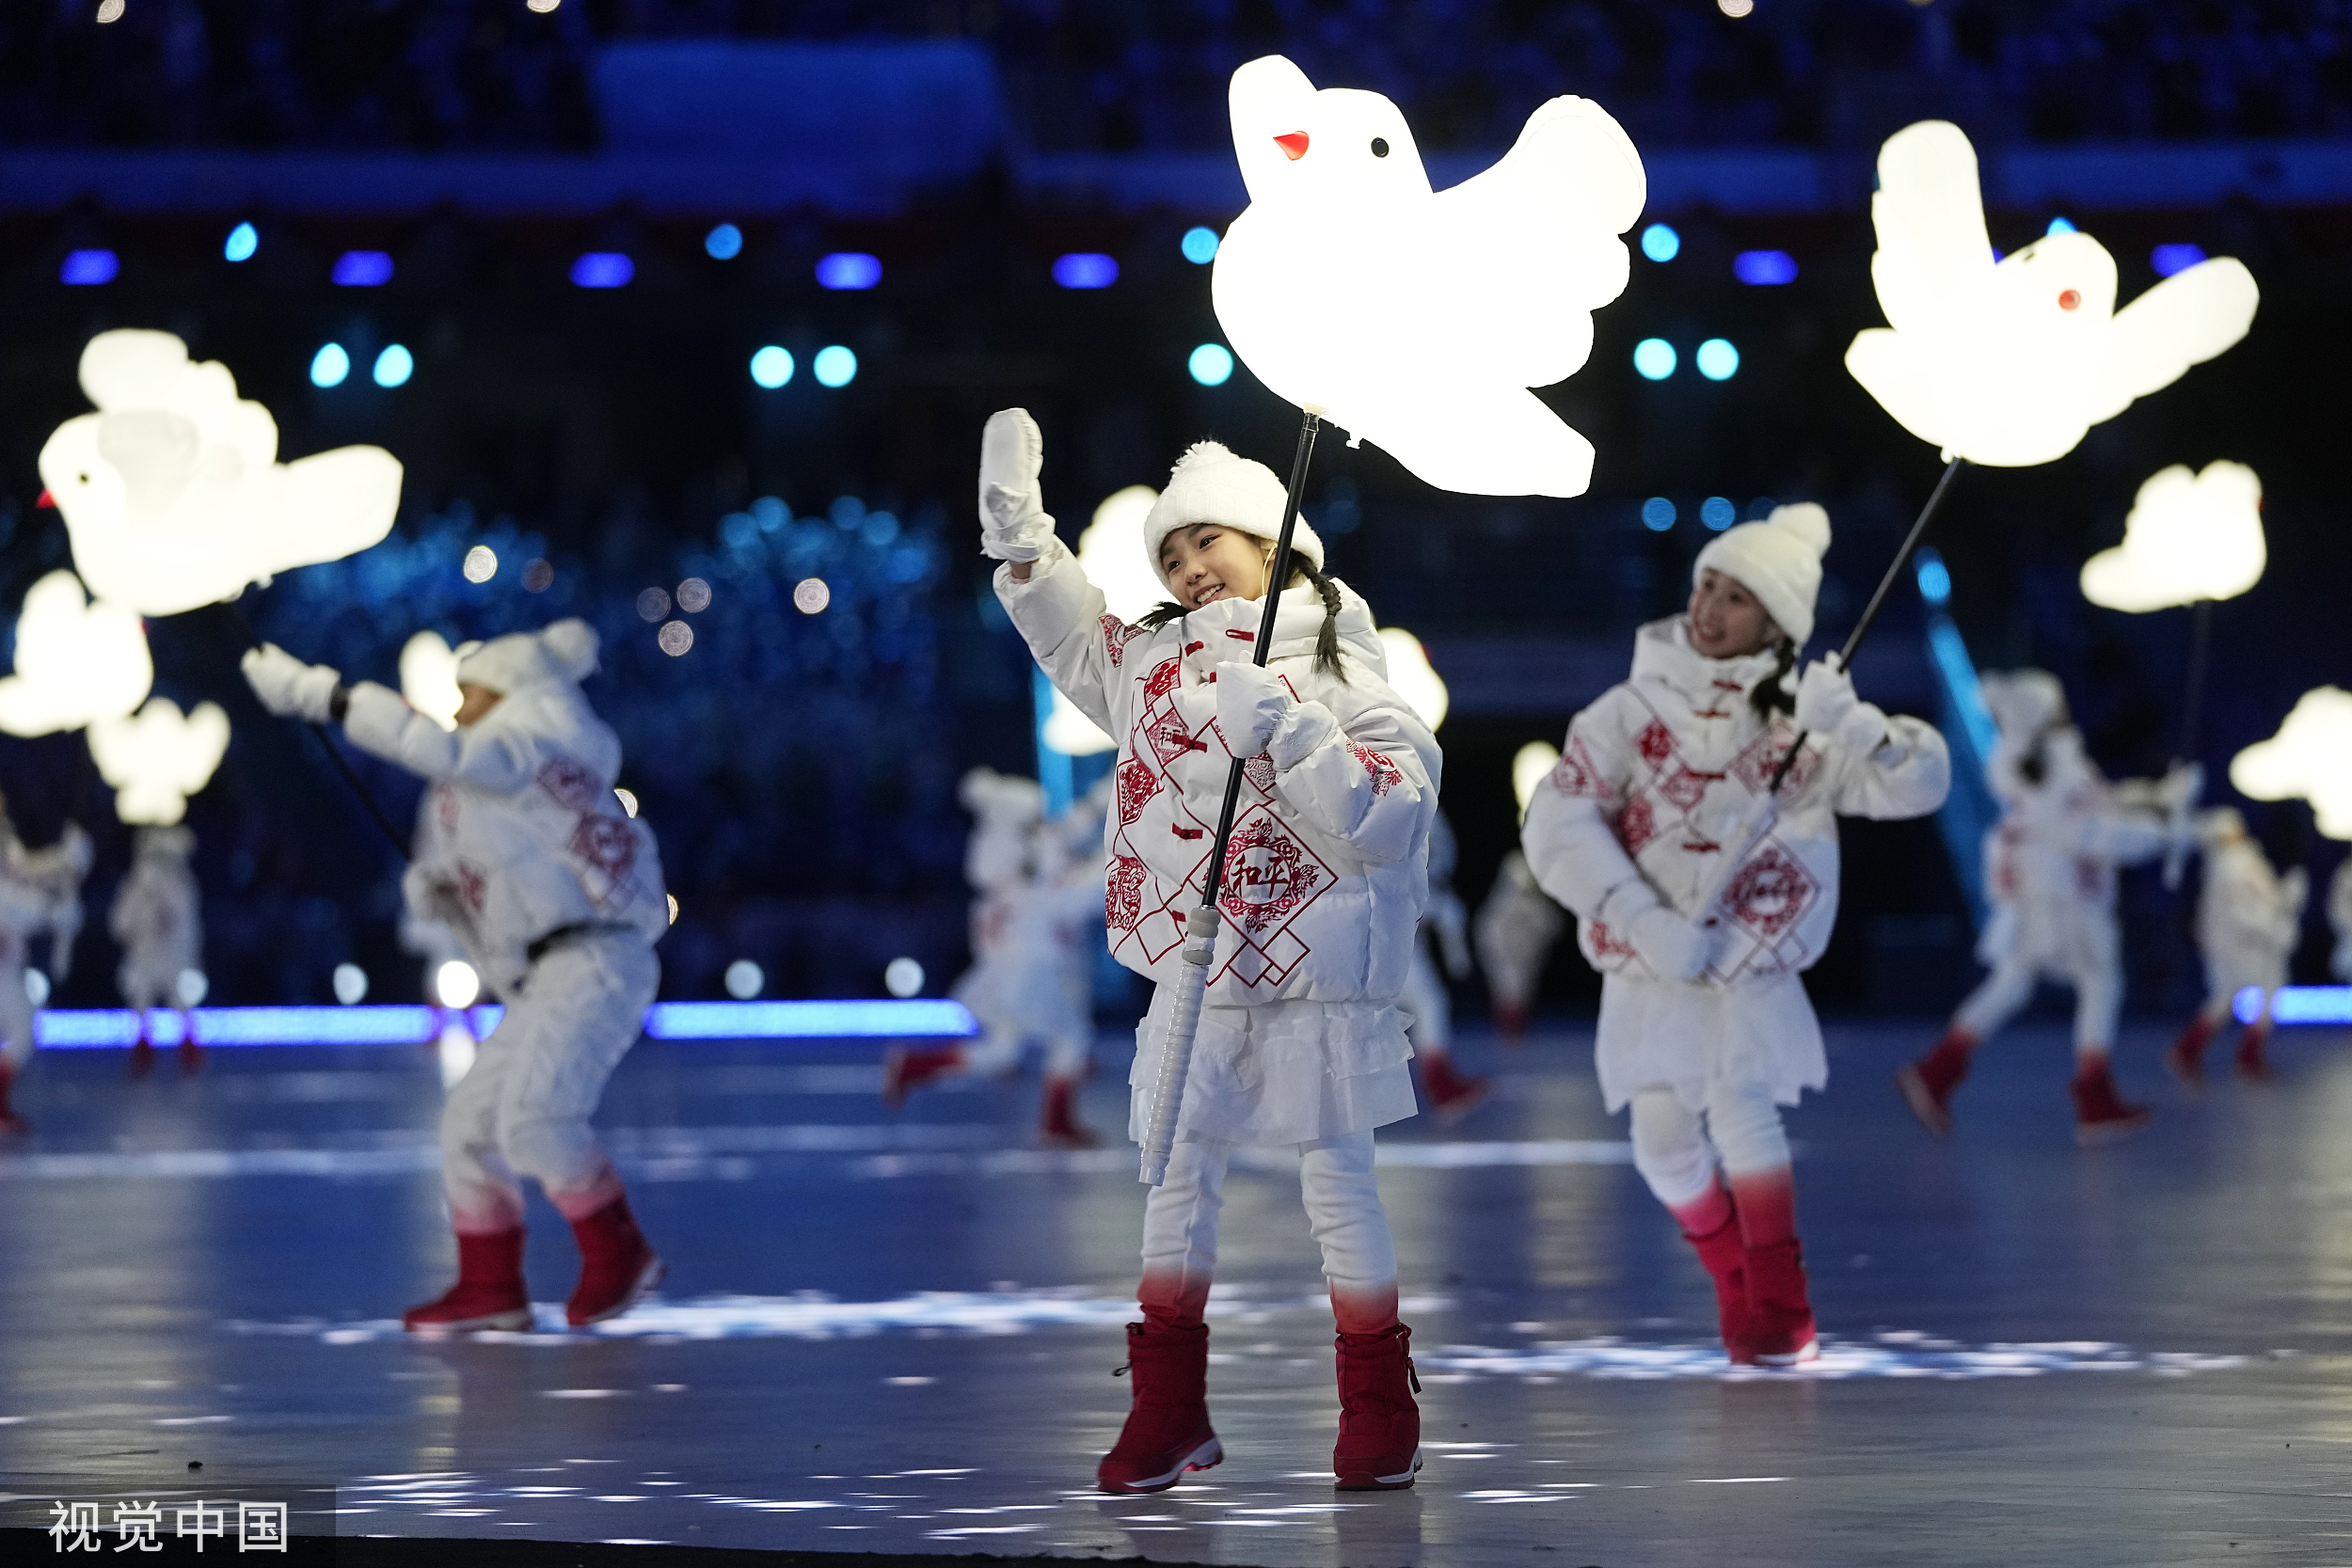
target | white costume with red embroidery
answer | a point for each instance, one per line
(156, 918)
(523, 845)
(1659, 779)
(1515, 930)
(2050, 876)
(1301, 1038)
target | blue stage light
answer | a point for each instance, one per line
(2169, 258)
(394, 366)
(849, 269)
(1655, 358)
(362, 269)
(1718, 513)
(1935, 578)
(724, 243)
(833, 366)
(771, 367)
(603, 269)
(1764, 268)
(1660, 243)
(68, 1029)
(85, 268)
(1201, 245)
(329, 364)
(1210, 364)
(1084, 269)
(243, 240)
(1717, 359)
(2309, 1004)
(1658, 514)
(2060, 226)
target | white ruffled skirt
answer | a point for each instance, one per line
(1665, 1034)
(1281, 1072)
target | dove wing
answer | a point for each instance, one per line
(1895, 369)
(334, 504)
(1929, 212)
(1570, 150)
(2185, 320)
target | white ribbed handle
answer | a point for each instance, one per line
(1184, 1024)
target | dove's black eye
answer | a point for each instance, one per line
(1380, 147)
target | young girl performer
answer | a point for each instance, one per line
(557, 895)
(157, 918)
(2249, 919)
(1705, 1027)
(1301, 1041)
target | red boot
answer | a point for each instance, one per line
(1167, 1431)
(1061, 1128)
(2251, 1062)
(142, 1054)
(616, 1267)
(191, 1054)
(2185, 1057)
(1511, 1023)
(1451, 1096)
(9, 1120)
(1379, 1445)
(489, 1289)
(1725, 1257)
(1928, 1083)
(904, 1069)
(1779, 1327)
(2100, 1115)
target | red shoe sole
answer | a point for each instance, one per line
(647, 1277)
(2095, 1134)
(514, 1321)
(1370, 1481)
(1206, 1457)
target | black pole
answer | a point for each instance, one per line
(1311, 420)
(1878, 600)
(2193, 705)
(326, 741)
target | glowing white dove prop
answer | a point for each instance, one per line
(1530, 765)
(428, 677)
(2311, 756)
(1411, 677)
(172, 493)
(2011, 364)
(158, 757)
(1418, 320)
(76, 662)
(2190, 536)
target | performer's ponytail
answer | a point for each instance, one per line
(1772, 695)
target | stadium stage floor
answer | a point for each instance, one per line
(896, 1334)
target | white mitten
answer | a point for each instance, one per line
(1826, 706)
(1249, 707)
(289, 687)
(1675, 948)
(1013, 521)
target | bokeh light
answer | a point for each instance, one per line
(724, 243)
(745, 979)
(1199, 246)
(771, 367)
(1654, 359)
(1086, 269)
(1718, 514)
(603, 269)
(693, 595)
(243, 240)
(653, 605)
(833, 366)
(362, 269)
(394, 366)
(810, 595)
(84, 269)
(676, 637)
(351, 984)
(1658, 514)
(1764, 268)
(1717, 359)
(1211, 364)
(903, 977)
(481, 564)
(1660, 242)
(329, 366)
(457, 984)
(849, 269)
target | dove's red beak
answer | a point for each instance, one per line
(1294, 145)
(46, 502)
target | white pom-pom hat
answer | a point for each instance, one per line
(1210, 484)
(1779, 561)
(564, 651)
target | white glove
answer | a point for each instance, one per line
(1826, 706)
(1013, 521)
(1251, 705)
(289, 687)
(2181, 787)
(1675, 948)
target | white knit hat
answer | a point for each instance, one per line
(1779, 561)
(564, 651)
(1209, 484)
(2023, 703)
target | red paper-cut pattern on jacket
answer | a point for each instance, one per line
(607, 843)
(1770, 892)
(573, 786)
(1163, 679)
(1138, 783)
(1684, 787)
(1123, 892)
(1116, 634)
(1574, 774)
(1637, 824)
(1385, 773)
(1760, 758)
(1606, 943)
(1656, 742)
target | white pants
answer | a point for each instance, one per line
(16, 1014)
(2003, 994)
(523, 1107)
(1343, 1212)
(1677, 1151)
(999, 1051)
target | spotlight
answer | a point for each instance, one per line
(243, 240)
(457, 984)
(329, 364)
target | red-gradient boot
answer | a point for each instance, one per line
(2100, 1115)
(616, 1266)
(1167, 1431)
(1779, 1330)
(9, 1120)
(2250, 1061)
(489, 1289)
(1928, 1083)
(1061, 1128)
(2184, 1058)
(1725, 1257)
(1451, 1096)
(904, 1069)
(1379, 1445)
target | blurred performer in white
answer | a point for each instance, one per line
(40, 894)
(2050, 873)
(2249, 919)
(2339, 917)
(1516, 929)
(557, 895)
(157, 919)
(1451, 1094)
(1035, 926)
